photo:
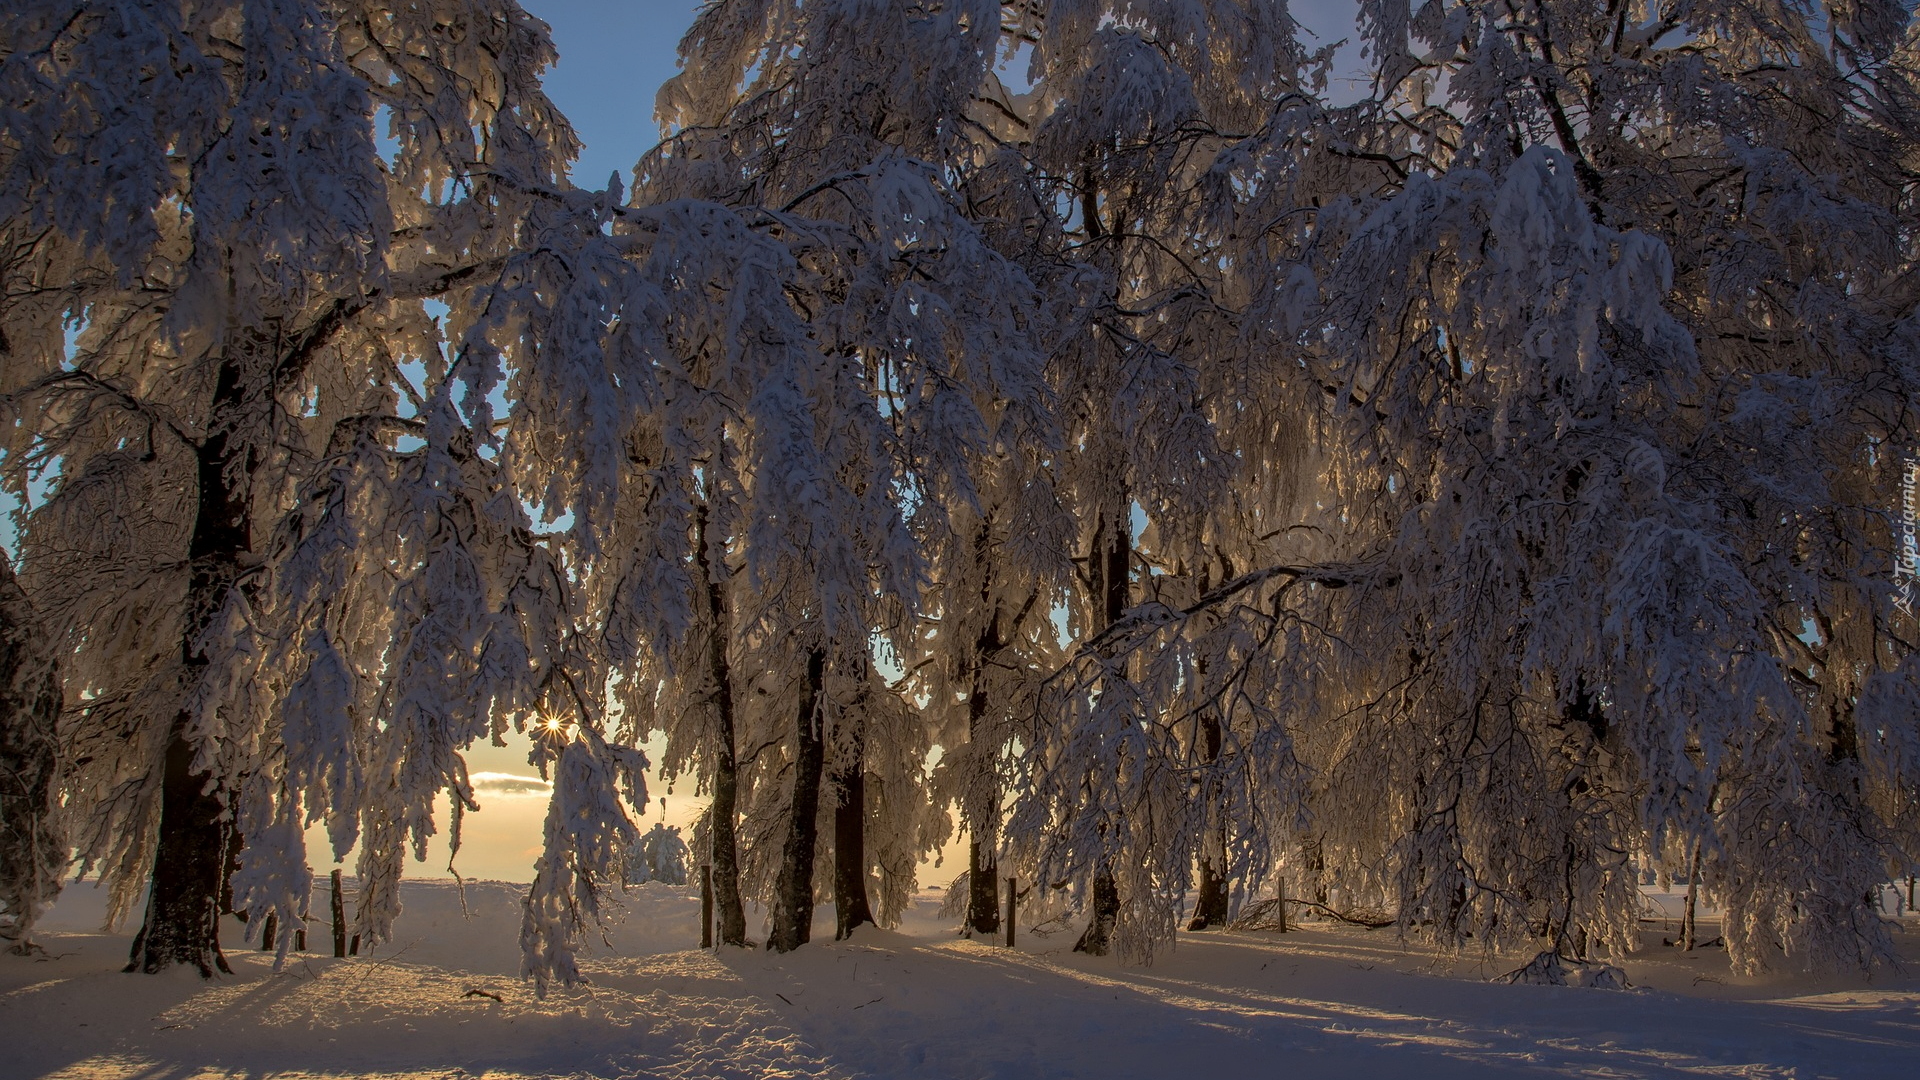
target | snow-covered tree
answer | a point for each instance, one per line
(659, 855)
(1468, 496)
(1623, 355)
(278, 545)
(33, 843)
(1586, 324)
(1133, 115)
(875, 348)
(1536, 519)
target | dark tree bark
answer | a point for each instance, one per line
(980, 807)
(723, 813)
(982, 867)
(184, 899)
(1013, 909)
(1097, 939)
(33, 847)
(1315, 861)
(983, 901)
(706, 905)
(1112, 560)
(338, 909)
(1210, 907)
(232, 867)
(793, 884)
(1687, 921)
(850, 905)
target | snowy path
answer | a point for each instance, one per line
(1317, 1003)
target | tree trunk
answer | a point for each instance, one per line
(1693, 898)
(339, 913)
(850, 904)
(1210, 908)
(1316, 866)
(1097, 939)
(1113, 559)
(793, 884)
(183, 901)
(982, 802)
(33, 846)
(189, 865)
(722, 813)
(232, 867)
(706, 905)
(983, 905)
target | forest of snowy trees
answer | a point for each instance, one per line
(1456, 474)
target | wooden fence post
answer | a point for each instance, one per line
(1280, 897)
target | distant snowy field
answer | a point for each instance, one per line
(1319, 1002)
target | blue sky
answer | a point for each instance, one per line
(614, 54)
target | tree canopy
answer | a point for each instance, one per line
(1071, 422)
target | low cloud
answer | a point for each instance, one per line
(510, 785)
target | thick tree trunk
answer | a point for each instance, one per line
(1316, 866)
(983, 901)
(234, 844)
(337, 907)
(850, 904)
(722, 812)
(793, 884)
(33, 847)
(1112, 561)
(980, 811)
(1097, 939)
(184, 899)
(1210, 907)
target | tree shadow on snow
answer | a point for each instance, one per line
(888, 1005)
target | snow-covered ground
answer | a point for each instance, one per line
(1320, 1002)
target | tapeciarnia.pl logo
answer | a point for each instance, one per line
(1906, 561)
